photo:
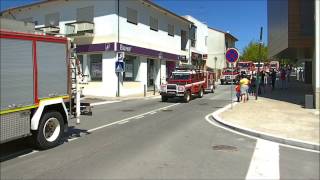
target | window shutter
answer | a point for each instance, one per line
(52, 19)
(85, 14)
(132, 16)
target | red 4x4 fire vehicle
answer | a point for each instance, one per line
(186, 83)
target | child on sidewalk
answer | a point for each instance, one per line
(238, 91)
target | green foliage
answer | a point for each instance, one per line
(251, 52)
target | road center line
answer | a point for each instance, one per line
(265, 161)
(133, 117)
(123, 122)
(139, 117)
(103, 102)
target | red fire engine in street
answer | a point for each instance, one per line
(186, 82)
(229, 75)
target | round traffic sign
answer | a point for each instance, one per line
(232, 55)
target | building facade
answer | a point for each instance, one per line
(198, 42)
(218, 43)
(153, 39)
(293, 27)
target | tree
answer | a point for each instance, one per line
(251, 52)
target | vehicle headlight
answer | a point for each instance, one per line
(181, 88)
(163, 88)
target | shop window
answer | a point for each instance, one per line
(193, 37)
(132, 16)
(131, 68)
(96, 67)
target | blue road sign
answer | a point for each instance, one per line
(120, 66)
(232, 55)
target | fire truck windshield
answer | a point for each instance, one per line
(243, 65)
(180, 76)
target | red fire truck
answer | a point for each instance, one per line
(187, 82)
(229, 75)
(245, 67)
(39, 92)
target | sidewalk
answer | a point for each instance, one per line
(279, 114)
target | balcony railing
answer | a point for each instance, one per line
(79, 28)
(51, 30)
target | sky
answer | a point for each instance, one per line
(242, 18)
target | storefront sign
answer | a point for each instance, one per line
(95, 47)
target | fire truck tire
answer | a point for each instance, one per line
(50, 131)
(212, 89)
(222, 82)
(164, 98)
(200, 94)
(187, 97)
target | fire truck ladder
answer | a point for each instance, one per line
(75, 92)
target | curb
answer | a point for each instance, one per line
(263, 135)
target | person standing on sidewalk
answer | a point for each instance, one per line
(283, 78)
(238, 91)
(244, 87)
(273, 78)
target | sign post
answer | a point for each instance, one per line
(119, 68)
(232, 56)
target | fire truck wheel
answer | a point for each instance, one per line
(200, 94)
(222, 82)
(164, 98)
(187, 96)
(212, 89)
(50, 131)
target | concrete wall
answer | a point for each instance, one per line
(277, 26)
(216, 49)
(317, 54)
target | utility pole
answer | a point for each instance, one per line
(259, 62)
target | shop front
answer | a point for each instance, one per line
(144, 69)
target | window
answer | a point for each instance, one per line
(52, 19)
(206, 40)
(132, 16)
(96, 67)
(193, 37)
(170, 30)
(131, 68)
(184, 39)
(153, 23)
(85, 14)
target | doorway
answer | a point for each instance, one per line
(150, 74)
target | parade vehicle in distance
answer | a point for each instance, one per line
(275, 65)
(229, 75)
(186, 82)
(39, 92)
(245, 67)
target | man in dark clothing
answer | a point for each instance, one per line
(273, 78)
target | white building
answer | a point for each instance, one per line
(199, 41)
(153, 39)
(218, 43)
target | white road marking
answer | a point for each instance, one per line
(34, 151)
(139, 117)
(103, 102)
(133, 117)
(123, 122)
(154, 112)
(265, 161)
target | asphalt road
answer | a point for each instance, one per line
(149, 139)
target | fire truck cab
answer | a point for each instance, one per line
(186, 83)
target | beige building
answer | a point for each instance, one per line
(218, 43)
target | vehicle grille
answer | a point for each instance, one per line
(171, 87)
